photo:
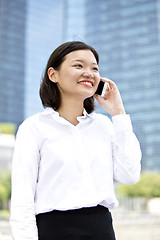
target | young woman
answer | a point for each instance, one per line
(66, 157)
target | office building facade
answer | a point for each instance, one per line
(44, 32)
(128, 40)
(74, 27)
(29, 32)
(12, 60)
(126, 35)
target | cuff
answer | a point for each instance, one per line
(122, 122)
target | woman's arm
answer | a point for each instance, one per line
(24, 179)
(125, 146)
(126, 153)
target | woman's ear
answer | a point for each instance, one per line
(52, 74)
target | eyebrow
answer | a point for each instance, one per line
(79, 60)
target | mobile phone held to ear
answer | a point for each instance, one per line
(102, 88)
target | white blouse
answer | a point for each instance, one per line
(57, 165)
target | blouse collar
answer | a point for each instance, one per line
(50, 111)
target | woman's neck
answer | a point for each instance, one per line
(70, 110)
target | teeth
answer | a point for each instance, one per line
(86, 83)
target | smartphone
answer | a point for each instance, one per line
(102, 88)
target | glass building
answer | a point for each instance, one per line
(74, 24)
(29, 32)
(44, 32)
(48, 25)
(12, 60)
(126, 34)
(128, 41)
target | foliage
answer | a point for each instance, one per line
(7, 128)
(5, 185)
(147, 187)
(3, 194)
(4, 212)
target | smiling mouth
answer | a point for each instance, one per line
(86, 83)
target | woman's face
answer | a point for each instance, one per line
(78, 75)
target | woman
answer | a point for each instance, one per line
(66, 157)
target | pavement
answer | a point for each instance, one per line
(136, 226)
(5, 233)
(127, 225)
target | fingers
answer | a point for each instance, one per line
(107, 80)
(112, 85)
(98, 98)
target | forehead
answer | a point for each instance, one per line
(84, 55)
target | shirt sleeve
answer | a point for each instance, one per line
(24, 179)
(126, 151)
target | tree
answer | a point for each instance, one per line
(147, 187)
(5, 187)
(7, 128)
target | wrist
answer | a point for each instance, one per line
(118, 112)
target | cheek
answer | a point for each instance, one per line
(71, 74)
(97, 78)
(67, 78)
(98, 75)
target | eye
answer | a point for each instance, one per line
(95, 69)
(78, 65)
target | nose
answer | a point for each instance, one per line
(88, 74)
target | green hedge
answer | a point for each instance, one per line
(5, 185)
(7, 128)
(147, 187)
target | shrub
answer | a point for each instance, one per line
(7, 128)
(5, 186)
(147, 187)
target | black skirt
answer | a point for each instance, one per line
(93, 223)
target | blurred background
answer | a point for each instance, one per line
(126, 34)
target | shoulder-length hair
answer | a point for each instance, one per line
(49, 92)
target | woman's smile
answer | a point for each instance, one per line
(87, 83)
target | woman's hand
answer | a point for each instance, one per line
(111, 102)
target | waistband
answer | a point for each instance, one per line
(89, 210)
(85, 210)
